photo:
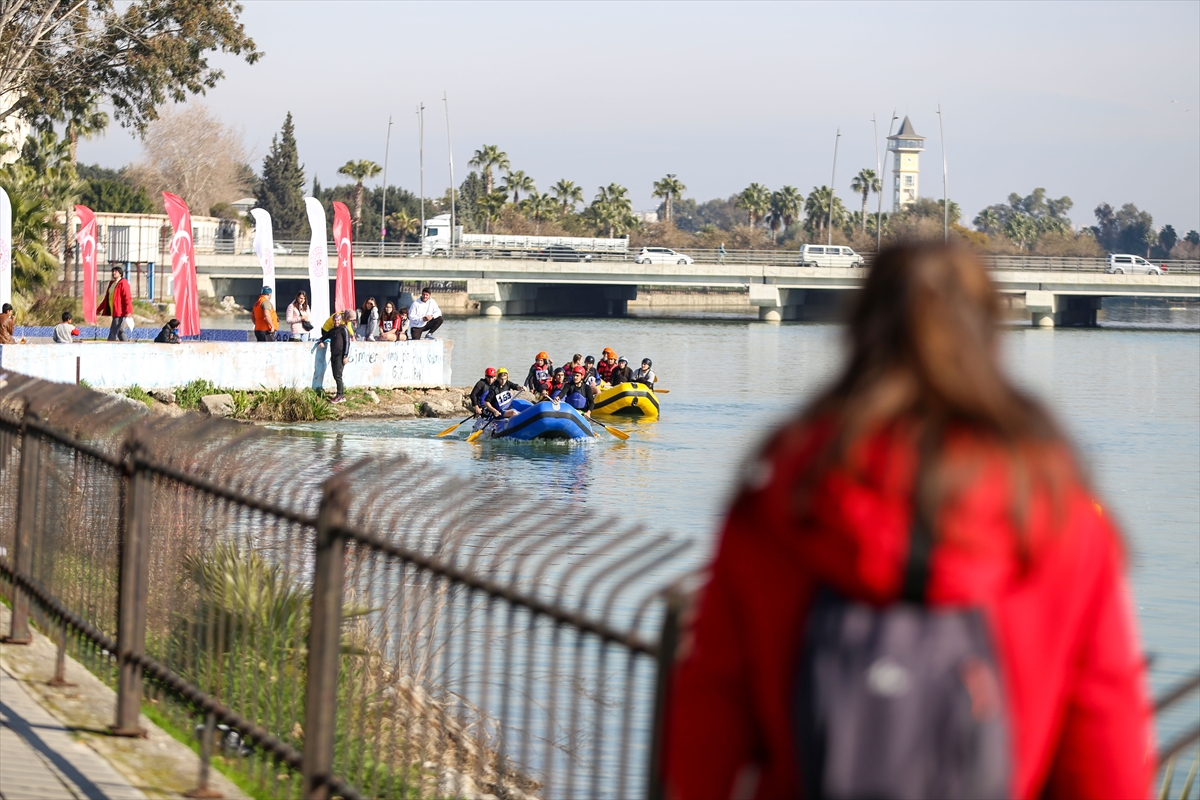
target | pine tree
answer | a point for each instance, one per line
(281, 190)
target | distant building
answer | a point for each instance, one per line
(244, 205)
(906, 167)
(647, 217)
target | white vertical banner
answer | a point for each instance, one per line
(5, 248)
(318, 262)
(264, 247)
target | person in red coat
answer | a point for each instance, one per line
(1017, 531)
(118, 304)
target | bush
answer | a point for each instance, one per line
(189, 396)
(138, 393)
(290, 405)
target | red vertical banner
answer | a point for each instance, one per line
(343, 291)
(183, 266)
(87, 258)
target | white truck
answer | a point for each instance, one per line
(438, 243)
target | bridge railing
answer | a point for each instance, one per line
(764, 257)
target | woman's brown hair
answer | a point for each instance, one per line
(923, 353)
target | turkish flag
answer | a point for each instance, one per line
(183, 266)
(87, 257)
(343, 290)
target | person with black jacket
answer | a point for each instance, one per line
(483, 395)
(621, 373)
(169, 333)
(580, 394)
(339, 351)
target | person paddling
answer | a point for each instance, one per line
(621, 373)
(607, 364)
(558, 385)
(540, 374)
(645, 374)
(579, 394)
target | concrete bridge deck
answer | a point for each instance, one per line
(526, 286)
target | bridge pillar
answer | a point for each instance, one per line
(501, 299)
(775, 304)
(1049, 310)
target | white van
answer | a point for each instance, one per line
(820, 255)
(1132, 265)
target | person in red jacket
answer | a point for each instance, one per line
(1017, 534)
(118, 304)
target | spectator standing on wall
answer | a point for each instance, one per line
(7, 324)
(118, 304)
(339, 350)
(368, 320)
(424, 316)
(169, 333)
(922, 491)
(297, 316)
(65, 331)
(266, 321)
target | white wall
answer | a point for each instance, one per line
(231, 365)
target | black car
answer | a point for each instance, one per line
(560, 252)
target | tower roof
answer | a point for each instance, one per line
(906, 131)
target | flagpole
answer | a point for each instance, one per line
(450, 149)
(421, 162)
(832, 177)
(387, 145)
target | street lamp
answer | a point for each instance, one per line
(879, 209)
(945, 191)
(832, 177)
(383, 204)
(450, 149)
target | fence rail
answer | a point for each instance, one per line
(332, 631)
(356, 629)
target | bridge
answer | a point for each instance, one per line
(1056, 291)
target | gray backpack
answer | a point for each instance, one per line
(903, 701)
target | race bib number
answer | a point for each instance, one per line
(504, 400)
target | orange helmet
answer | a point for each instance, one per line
(542, 355)
(609, 350)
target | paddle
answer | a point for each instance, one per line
(617, 432)
(479, 432)
(661, 391)
(453, 427)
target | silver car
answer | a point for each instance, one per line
(1122, 264)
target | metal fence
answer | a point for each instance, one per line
(777, 257)
(333, 628)
(367, 629)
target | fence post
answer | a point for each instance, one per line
(324, 640)
(132, 588)
(668, 645)
(27, 491)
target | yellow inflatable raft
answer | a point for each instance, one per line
(627, 400)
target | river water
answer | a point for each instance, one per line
(1128, 393)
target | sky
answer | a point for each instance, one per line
(1097, 101)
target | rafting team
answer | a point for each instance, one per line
(577, 384)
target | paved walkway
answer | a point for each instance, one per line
(40, 760)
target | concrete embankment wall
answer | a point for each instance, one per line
(665, 303)
(229, 365)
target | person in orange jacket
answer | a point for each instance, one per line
(266, 321)
(921, 432)
(118, 304)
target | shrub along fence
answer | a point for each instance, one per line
(327, 627)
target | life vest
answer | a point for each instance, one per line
(604, 369)
(575, 397)
(557, 392)
(503, 400)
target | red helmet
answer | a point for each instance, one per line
(580, 371)
(490, 372)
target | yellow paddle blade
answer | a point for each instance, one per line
(452, 428)
(475, 435)
(617, 432)
(662, 391)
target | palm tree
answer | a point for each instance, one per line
(612, 209)
(865, 182)
(33, 265)
(491, 205)
(517, 182)
(785, 208)
(568, 194)
(485, 159)
(756, 200)
(360, 171)
(1021, 229)
(403, 223)
(816, 210)
(669, 188)
(87, 124)
(987, 221)
(538, 207)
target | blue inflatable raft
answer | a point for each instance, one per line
(544, 420)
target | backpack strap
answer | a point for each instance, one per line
(920, 534)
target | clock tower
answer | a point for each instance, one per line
(907, 146)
